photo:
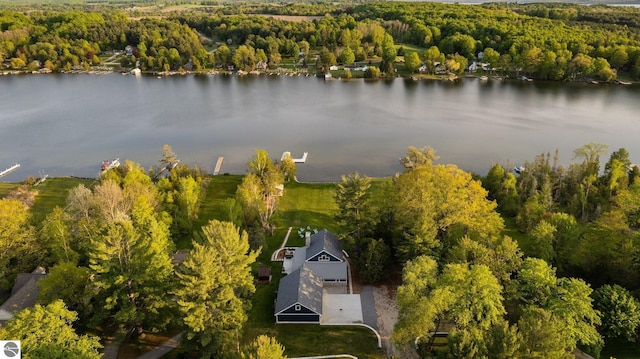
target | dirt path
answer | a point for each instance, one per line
(387, 311)
(385, 301)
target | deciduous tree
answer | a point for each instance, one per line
(17, 240)
(264, 347)
(620, 312)
(47, 332)
(131, 260)
(260, 190)
(430, 199)
(412, 62)
(69, 283)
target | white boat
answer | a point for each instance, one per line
(295, 160)
(107, 165)
(483, 78)
(136, 72)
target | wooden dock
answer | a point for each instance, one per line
(9, 170)
(216, 170)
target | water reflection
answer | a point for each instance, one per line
(344, 125)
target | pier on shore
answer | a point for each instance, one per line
(9, 170)
(216, 170)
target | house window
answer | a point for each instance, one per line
(323, 258)
(297, 307)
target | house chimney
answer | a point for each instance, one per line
(307, 239)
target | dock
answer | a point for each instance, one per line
(216, 170)
(40, 180)
(9, 170)
(295, 160)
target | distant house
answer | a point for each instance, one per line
(188, 66)
(261, 65)
(333, 68)
(356, 67)
(128, 50)
(23, 295)
(440, 69)
(300, 293)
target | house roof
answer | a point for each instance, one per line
(23, 295)
(329, 271)
(324, 241)
(301, 286)
(264, 271)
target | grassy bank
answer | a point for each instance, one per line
(54, 192)
(7, 187)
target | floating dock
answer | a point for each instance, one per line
(216, 170)
(295, 160)
(9, 170)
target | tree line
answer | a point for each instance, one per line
(543, 41)
(527, 295)
(109, 255)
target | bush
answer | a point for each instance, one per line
(372, 72)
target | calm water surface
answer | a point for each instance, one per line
(67, 124)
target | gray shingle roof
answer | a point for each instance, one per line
(329, 270)
(327, 241)
(24, 295)
(301, 286)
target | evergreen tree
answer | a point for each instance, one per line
(214, 281)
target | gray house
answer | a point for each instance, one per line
(310, 268)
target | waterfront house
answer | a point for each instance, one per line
(310, 270)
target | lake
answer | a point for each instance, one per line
(67, 124)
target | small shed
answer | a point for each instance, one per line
(264, 273)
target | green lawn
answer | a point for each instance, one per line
(7, 187)
(219, 190)
(53, 192)
(307, 204)
(511, 230)
(409, 48)
(310, 340)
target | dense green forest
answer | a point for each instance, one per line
(542, 41)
